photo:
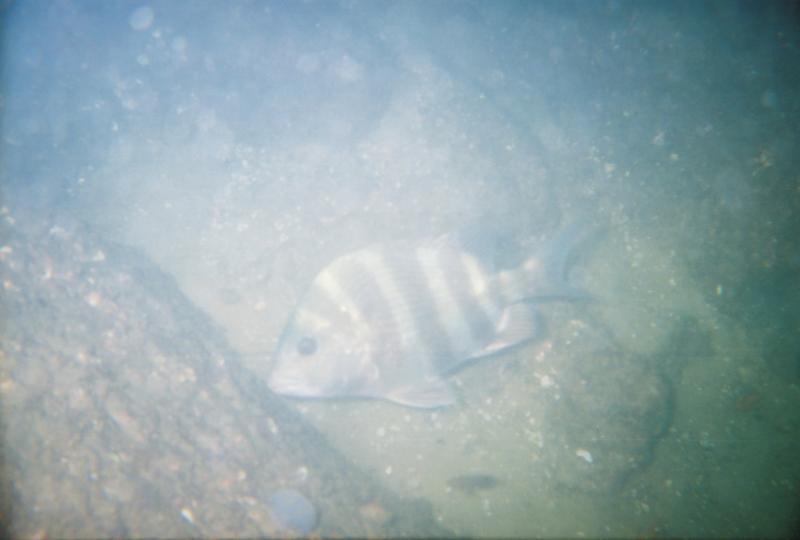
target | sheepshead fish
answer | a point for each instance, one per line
(392, 321)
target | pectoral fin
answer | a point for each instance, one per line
(520, 323)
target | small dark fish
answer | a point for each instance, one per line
(473, 483)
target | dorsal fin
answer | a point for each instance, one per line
(543, 276)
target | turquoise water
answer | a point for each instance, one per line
(244, 146)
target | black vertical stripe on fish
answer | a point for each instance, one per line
(480, 323)
(323, 307)
(383, 325)
(462, 305)
(403, 341)
(405, 272)
(333, 296)
(452, 320)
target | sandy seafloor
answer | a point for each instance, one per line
(244, 146)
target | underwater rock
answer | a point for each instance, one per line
(292, 511)
(100, 342)
(614, 406)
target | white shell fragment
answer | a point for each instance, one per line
(584, 455)
(186, 514)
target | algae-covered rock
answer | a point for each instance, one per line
(127, 414)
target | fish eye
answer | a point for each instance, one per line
(307, 346)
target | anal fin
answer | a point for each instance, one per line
(425, 395)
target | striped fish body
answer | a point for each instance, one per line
(391, 322)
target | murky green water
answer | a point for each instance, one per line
(244, 146)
